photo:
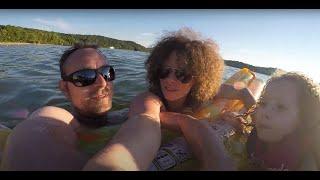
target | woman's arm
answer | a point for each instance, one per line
(247, 98)
(230, 92)
(205, 144)
(202, 139)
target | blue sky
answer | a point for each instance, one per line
(287, 39)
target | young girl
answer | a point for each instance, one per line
(286, 125)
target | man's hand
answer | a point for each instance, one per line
(145, 103)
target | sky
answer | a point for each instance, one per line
(286, 39)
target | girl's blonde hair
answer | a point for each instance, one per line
(309, 97)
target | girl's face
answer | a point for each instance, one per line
(278, 113)
(175, 80)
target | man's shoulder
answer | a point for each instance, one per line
(52, 113)
(46, 119)
(41, 138)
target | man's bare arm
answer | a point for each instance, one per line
(136, 143)
(45, 141)
(133, 147)
(146, 103)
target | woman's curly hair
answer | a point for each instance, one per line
(202, 59)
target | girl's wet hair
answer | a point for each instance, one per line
(309, 98)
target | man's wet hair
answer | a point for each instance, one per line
(74, 48)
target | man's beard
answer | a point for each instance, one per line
(95, 113)
(90, 120)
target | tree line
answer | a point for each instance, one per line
(10, 33)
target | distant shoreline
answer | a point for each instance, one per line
(263, 70)
(23, 36)
(13, 43)
(20, 43)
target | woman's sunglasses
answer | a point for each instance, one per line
(181, 75)
(86, 77)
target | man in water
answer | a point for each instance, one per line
(48, 140)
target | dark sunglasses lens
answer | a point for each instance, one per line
(164, 73)
(84, 78)
(108, 73)
(183, 76)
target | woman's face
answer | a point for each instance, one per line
(175, 80)
(278, 113)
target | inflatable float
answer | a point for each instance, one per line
(4, 133)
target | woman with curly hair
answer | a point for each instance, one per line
(286, 125)
(197, 71)
(184, 71)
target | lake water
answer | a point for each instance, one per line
(29, 76)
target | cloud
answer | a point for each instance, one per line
(147, 39)
(148, 34)
(43, 27)
(56, 23)
(146, 43)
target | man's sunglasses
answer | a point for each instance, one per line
(86, 77)
(181, 75)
